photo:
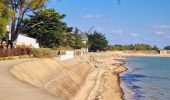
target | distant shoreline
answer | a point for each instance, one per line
(146, 55)
(139, 53)
(123, 87)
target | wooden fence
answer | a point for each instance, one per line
(15, 52)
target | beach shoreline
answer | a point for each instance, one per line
(100, 81)
(111, 80)
(122, 88)
(144, 77)
(139, 54)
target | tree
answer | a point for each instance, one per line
(4, 18)
(46, 26)
(19, 8)
(97, 41)
(155, 48)
(133, 47)
(167, 48)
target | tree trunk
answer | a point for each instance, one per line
(16, 25)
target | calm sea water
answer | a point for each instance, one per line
(148, 78)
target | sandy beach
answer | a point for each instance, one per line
(103, 82)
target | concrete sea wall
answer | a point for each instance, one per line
(62, 78)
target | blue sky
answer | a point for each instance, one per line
(132, 21)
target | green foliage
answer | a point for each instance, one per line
(132, 47)
(4, 17)
(23, 56)
(42, 53)
(167, 48)
(97, 42)
(7, 58)
(19, 8)
(78, 52)
(73, 40)
(3, 37)
(46, 26)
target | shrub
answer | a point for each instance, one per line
(42, 53)
(55, 53)
(24, 56)
(78, 52)
(7, 58)
(167, 48)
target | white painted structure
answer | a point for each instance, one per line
(27, 41)
(84, 50)
(68, 55)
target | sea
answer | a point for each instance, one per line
(148, 78)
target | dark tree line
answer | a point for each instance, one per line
(167, 48)
(133, 47)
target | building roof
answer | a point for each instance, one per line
(84, 37)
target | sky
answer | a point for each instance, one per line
(130, 22)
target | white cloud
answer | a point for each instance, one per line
(89, 16)
(160, 33)
(134, 34)
(162, 27)
(168, 36)
(117, 32)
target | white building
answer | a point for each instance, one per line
(27, 41)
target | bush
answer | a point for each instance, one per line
(78, 52)
(7, 58)
(167, 48)
(42, 53)
(24, 56)
(55, 53)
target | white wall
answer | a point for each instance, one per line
(84, 50)
(27, 41)
(68, 55)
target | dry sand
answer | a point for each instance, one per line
(94, 76)
(103, 81)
